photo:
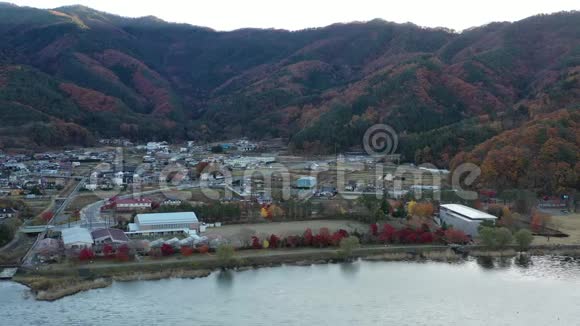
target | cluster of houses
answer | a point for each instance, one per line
(183, 225)
(157, 156)
(7, 212)
(75, 239)
(122, 142)
(30, 175)
(241, 145)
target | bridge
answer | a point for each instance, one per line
(35, 229)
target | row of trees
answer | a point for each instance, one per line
(422, 235)
(168, 250)
(226, 252)
(500, 238)
(124, 252)
(120, 253)
(324, 238)
(212, 212)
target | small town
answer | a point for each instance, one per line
(124, 203)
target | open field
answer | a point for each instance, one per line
(85, 169)
(12, 252)
(569, 224)
(287, 228)
(82, 200)
(68, 188)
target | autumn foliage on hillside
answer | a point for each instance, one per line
(320, 88)
(542, 154)
(89, 99)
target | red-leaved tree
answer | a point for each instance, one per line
(411, 237)
(47, 216)
(186, 251)
(167, 250)
(426, 237)
(388, 233)
(322, 239)
(256, 244)
(108, 250)
(86, 254)
(274, 241)
(203, 249)
(292, 241)
(123, 252)
(338, 236)
(374, 229)
(308, 237)
(456, 236)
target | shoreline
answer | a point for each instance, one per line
(54, 284)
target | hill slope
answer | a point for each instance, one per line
(104, 75)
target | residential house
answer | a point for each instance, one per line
(8, 213)
(76, 238)
(133, 204)
(308, 182)
(112, 236)
(171, 202)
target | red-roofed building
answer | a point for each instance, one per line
(134, 204)
(129, 204)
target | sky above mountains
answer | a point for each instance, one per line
(300, 14)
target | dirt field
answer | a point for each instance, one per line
(82, 200)
(569, 224)
(38, 206)
(68, 188)
(11, 253)
(286, 228)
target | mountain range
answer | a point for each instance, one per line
(72, 74)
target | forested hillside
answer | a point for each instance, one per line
(72, 74)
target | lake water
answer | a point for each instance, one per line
(543, 291)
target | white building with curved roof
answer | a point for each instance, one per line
(164, 223)
(76, 238)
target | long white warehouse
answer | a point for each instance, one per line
(464, 218)
(164, 223)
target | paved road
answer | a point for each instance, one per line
(91, 214)
(57, 217)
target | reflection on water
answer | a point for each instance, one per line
(350, 269)
(225, 279)
(486, 262)
(357, 293)
(523, 260)
(504, 262)
(495, 263)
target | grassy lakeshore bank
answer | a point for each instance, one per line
(57, 281)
